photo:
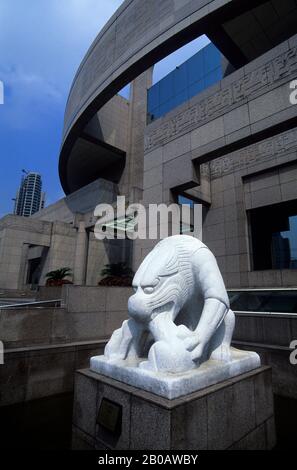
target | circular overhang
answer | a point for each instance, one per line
(137, 36)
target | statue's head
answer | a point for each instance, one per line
(162, 281)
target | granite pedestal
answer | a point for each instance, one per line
(234, 414)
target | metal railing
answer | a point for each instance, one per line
(261, 289)
(39, 304)
(250, 313)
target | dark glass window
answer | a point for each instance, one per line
(195, 68)
(281, 301)
(195, 88)
(212, 77)
(274, 236)
(166, 107)
(199, 72)
(211, 58)
(180, 79)
(179, 99)
(166, 88)
(184, 229)
(153, 97)
(187, 200)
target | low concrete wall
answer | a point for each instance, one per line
(270, 336)
(49, 293)
(42, 371)
(43, 347)
(91, 314)
(88, 314)
(95, 299)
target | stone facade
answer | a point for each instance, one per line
(232, 147)
(213, 134)
(235, 414)
(44, 346)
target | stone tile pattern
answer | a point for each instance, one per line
(256, 175)
(236, 414)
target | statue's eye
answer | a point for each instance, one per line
(148, 290)
(135, 288)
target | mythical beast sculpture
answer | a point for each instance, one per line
(177, 339)
(179, 314)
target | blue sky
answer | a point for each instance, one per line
(42, 45)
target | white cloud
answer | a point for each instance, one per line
(22, 81)
(26, 96)
(47, 41)
(50, 38)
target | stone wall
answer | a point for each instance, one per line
(110, 124)
(42, 371)
(17, 233)
(215, 144)
(270, 336)
(255, 176)
(248, 101)
(44, 347)
(88, 314)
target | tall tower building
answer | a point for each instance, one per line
(29, 198)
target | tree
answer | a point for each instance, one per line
(116, 274)
(58, 276)
(117, 270)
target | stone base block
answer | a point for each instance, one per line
(234, 414)
(176, 385)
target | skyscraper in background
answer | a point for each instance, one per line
(29, 198)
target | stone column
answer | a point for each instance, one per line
(81, 252)
(135, 153)
(23, 266)
(137, 124)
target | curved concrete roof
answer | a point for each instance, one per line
(137, 36)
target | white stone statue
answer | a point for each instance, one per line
(180, 326)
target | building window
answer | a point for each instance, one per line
(186, 81)
(273, 232)
(184, 199)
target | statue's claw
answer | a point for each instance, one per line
(166, 357)
(197, 352)
(191, 342)
(183, 332)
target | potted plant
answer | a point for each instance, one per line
(57, 278)
(116, 274)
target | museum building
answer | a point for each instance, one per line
(220, 131)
